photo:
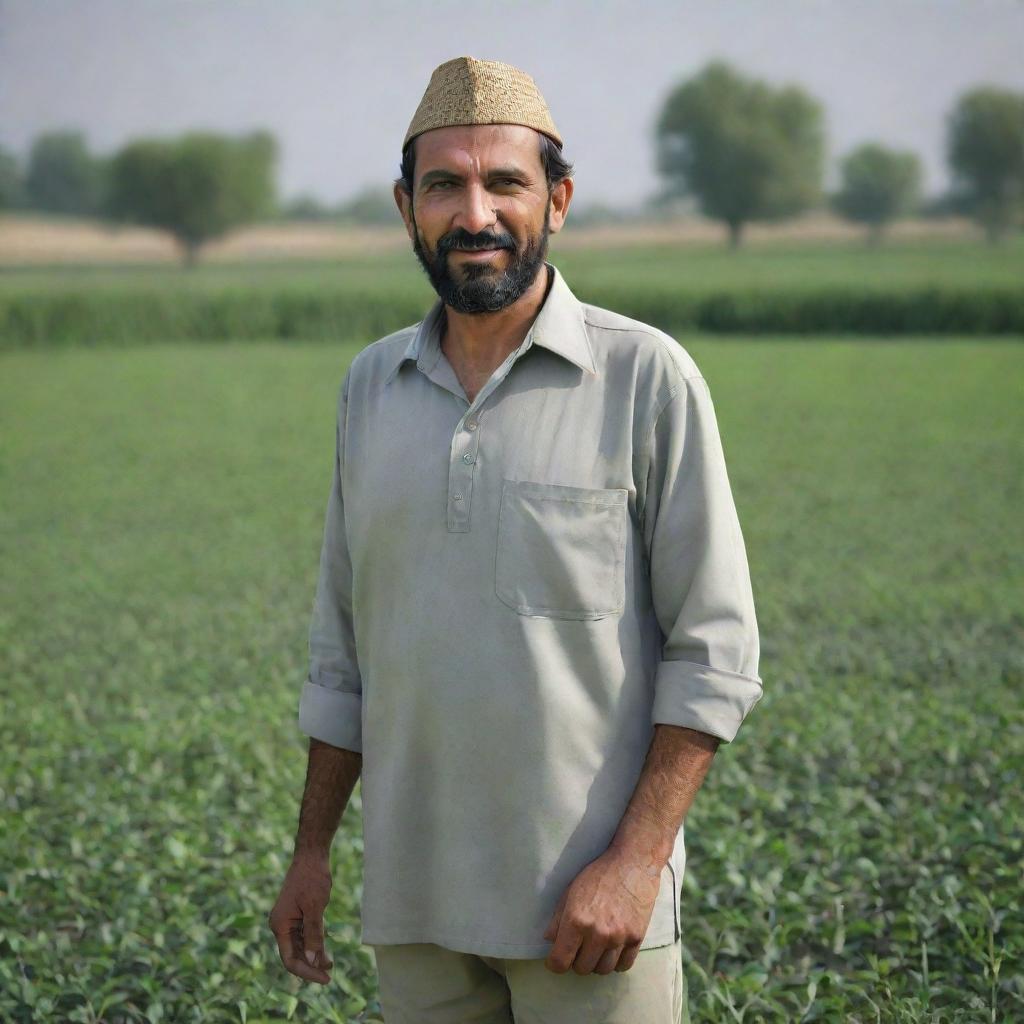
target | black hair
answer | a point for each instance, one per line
(556, 167)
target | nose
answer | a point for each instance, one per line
(476, 214)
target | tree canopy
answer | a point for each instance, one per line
(746, 150)
(63, 176)
(985, 148)
(197, 186)
(878, 185)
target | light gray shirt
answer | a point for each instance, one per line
(512, 592)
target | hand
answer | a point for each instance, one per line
(297, 919)
(602, 917)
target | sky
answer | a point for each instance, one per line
(338, 82)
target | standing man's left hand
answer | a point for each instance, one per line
(602, 917)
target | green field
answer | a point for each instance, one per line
(855, 855)
(698, 266)
(922, 288)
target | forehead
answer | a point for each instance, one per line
(470, 146)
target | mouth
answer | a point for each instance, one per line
(477, 254)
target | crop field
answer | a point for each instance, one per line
(697, 265)
(43, 240)
(854, 856)
(809, 287)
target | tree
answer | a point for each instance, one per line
(306, 207)
(985, 149)
(198, 186)
(372, 206)
(878, 185)
(62, 176)
(12, 187)
(746, 150)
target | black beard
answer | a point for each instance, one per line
(484, 290)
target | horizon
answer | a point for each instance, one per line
(258, 65)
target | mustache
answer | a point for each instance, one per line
(464, 240)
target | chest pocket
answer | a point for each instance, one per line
(561, 550)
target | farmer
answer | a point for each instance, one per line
(533, 623)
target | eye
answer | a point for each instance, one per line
(438, 184)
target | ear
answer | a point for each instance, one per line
(561, 196)
(404, 203)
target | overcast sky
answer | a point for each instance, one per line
(337, 82)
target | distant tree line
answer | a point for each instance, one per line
(737, 149)
(747, 151)
(196, 186)
(371, 206)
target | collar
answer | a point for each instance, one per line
(559, 327)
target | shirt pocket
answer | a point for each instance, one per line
(561, 549)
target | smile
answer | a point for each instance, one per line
(477, 253)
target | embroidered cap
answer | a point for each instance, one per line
(465, 90)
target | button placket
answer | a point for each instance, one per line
(460, 476)
(466, 447)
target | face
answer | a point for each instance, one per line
(480, 213)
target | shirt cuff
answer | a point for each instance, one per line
(332, 716)
(711, 700)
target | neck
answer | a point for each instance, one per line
(482, 338)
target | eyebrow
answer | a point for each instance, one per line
(499, 172)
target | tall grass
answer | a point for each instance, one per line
(805, 288)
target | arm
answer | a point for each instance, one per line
(331, 775)
(705, 683)
(330, 714)
(677, 762)
(613, 898)
(297, 919)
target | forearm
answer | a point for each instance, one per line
(677, 762)
(331, 775)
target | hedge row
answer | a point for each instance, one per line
(129, 317)
(847, 310)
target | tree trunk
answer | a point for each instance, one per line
(735, 234)
(874, 237)
(189, 253)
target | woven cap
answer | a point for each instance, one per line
(470, 91)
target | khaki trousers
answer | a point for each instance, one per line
(421, 983)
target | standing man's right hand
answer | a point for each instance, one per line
(297, 919)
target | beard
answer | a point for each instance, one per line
(479, 287)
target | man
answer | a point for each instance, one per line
(533, 621)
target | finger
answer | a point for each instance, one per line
(588, 956)
(287, 949)
(296, 960)
(313, 934)
(563, 951)
(608, 960)
(298, 966)
(628, 956)
(283, 948)
(282, 925)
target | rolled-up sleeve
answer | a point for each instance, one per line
(707, 678)
(330, 706)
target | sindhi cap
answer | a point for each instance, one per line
(465, 90)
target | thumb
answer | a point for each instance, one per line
(313, 938)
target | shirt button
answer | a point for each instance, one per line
(468, 457)
(471, 425)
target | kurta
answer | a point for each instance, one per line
(512, 592)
